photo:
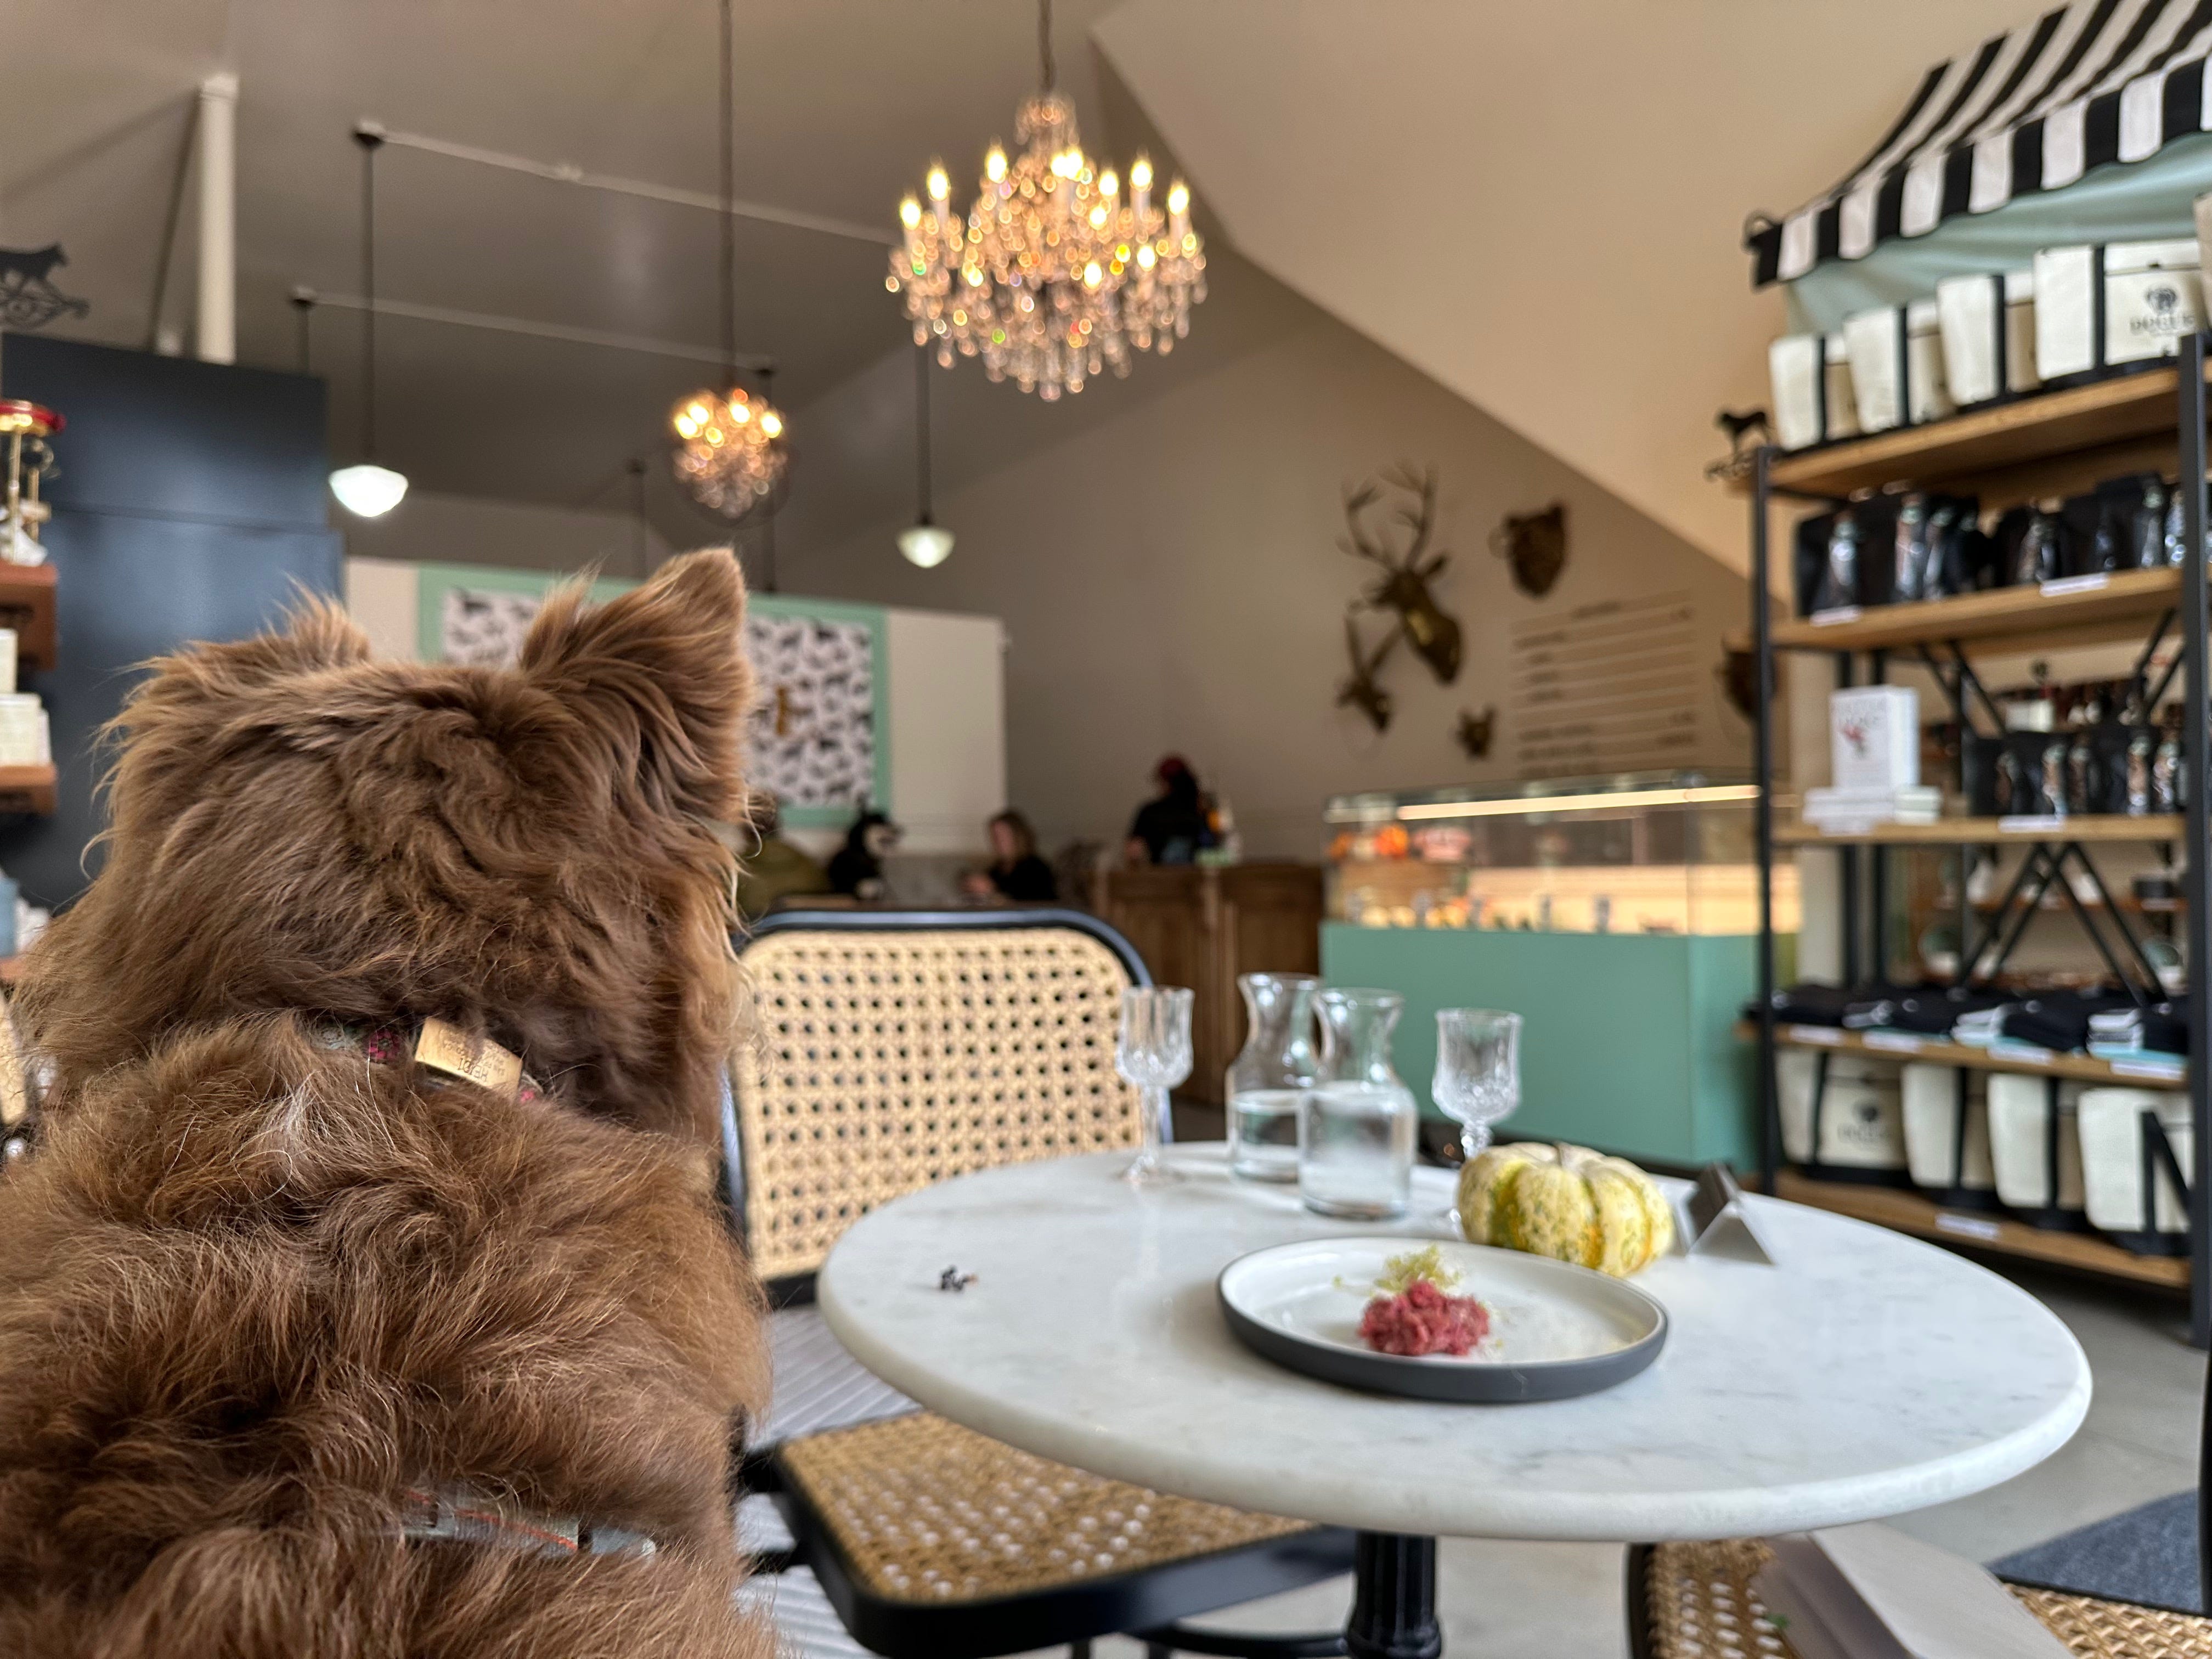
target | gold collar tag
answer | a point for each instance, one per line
(477, 1060)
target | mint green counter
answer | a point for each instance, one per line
(1627, 1043)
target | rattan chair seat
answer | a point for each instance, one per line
(924, 1511)
(1699, 1605)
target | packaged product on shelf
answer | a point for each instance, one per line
(1839, 402)
(1794, 373)
(1927, 388)
(2067, 281)
(1987, 323)
(2021, 1142)
(2032, 543)
(2154, 295)
(1813, 395)
(7, 661)
(23, 740)
(2147, 296)
(1873, 738)
(1947, 1128)
(1875, 340)
(2127, 1190)
(1842, 1111)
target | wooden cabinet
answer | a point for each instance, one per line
(1202, 926)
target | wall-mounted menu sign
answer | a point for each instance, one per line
(1612, 685)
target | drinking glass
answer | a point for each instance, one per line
(1357, 1125)
(1478, 1077)
(1153, 1053)
(1268, 1080)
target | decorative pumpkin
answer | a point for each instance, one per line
(1568, 1202)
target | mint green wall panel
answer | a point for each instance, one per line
(1627, 1043)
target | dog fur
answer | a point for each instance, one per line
(257, 1289)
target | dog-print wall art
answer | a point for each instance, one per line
(818, 736)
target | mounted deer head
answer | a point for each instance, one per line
(1361, 690)
(1403, 585)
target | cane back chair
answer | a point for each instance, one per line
(900, 1048)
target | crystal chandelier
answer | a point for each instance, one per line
(731, 455)
(1057, 272)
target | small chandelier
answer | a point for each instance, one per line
(731, 456)
(1056, 273)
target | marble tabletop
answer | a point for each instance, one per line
(1863, 1375)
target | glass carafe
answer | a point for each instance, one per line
(1270, 1078)
(1357, 1127)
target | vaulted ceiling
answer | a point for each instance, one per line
(1538, 205)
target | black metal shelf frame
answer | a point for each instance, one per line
(1864, 869)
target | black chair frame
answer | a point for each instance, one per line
(1147, 1603)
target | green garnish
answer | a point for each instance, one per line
(1402, 1273)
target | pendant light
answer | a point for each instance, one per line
(731, 455)
(925, 542)
(366, 489)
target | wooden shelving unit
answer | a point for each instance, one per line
(1977, 832)
(2057, 443)
(1936, 1051)
(2047, 427)
(27, 604)
(26, 789)
(1914, 1213)
(2081, 609)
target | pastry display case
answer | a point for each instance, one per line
(1654, 853)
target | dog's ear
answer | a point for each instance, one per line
(660, 673)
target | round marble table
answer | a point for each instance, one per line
(1863, 1374)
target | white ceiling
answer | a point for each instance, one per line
(842, 105)
(1538, 205)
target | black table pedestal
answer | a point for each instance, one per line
(1394, 1598)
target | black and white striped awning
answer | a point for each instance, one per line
(2098, 81)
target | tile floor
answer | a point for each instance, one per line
(1565, 1601)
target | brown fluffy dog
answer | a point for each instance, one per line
(258, 1291)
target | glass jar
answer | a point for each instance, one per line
(1357, 1125)
(1269, 1079)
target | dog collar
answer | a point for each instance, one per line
(460, 1514)
(436, 1046)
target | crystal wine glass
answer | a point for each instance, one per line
(1478, 1077)
(1153, 1053)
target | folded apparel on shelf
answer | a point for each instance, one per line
(1935, 1013)
(2058, 1020)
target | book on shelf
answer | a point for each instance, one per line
(1841, 811)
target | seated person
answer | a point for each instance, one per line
(1017, 875)
(1172, 827)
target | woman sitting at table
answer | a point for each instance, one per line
(1016, 874)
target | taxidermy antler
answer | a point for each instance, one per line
(1361, 690)
(1403, 585)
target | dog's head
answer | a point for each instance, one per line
(530, 851)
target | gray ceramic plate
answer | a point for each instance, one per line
(1556, 1330)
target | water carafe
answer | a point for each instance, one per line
(1357, 1125)
(1272, 1077)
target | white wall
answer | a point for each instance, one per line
(1170, 581)
(434, 529)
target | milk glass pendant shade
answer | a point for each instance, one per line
(369, 491)
(925, 542)
(366, 489)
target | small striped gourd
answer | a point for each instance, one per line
(1568, 1202)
